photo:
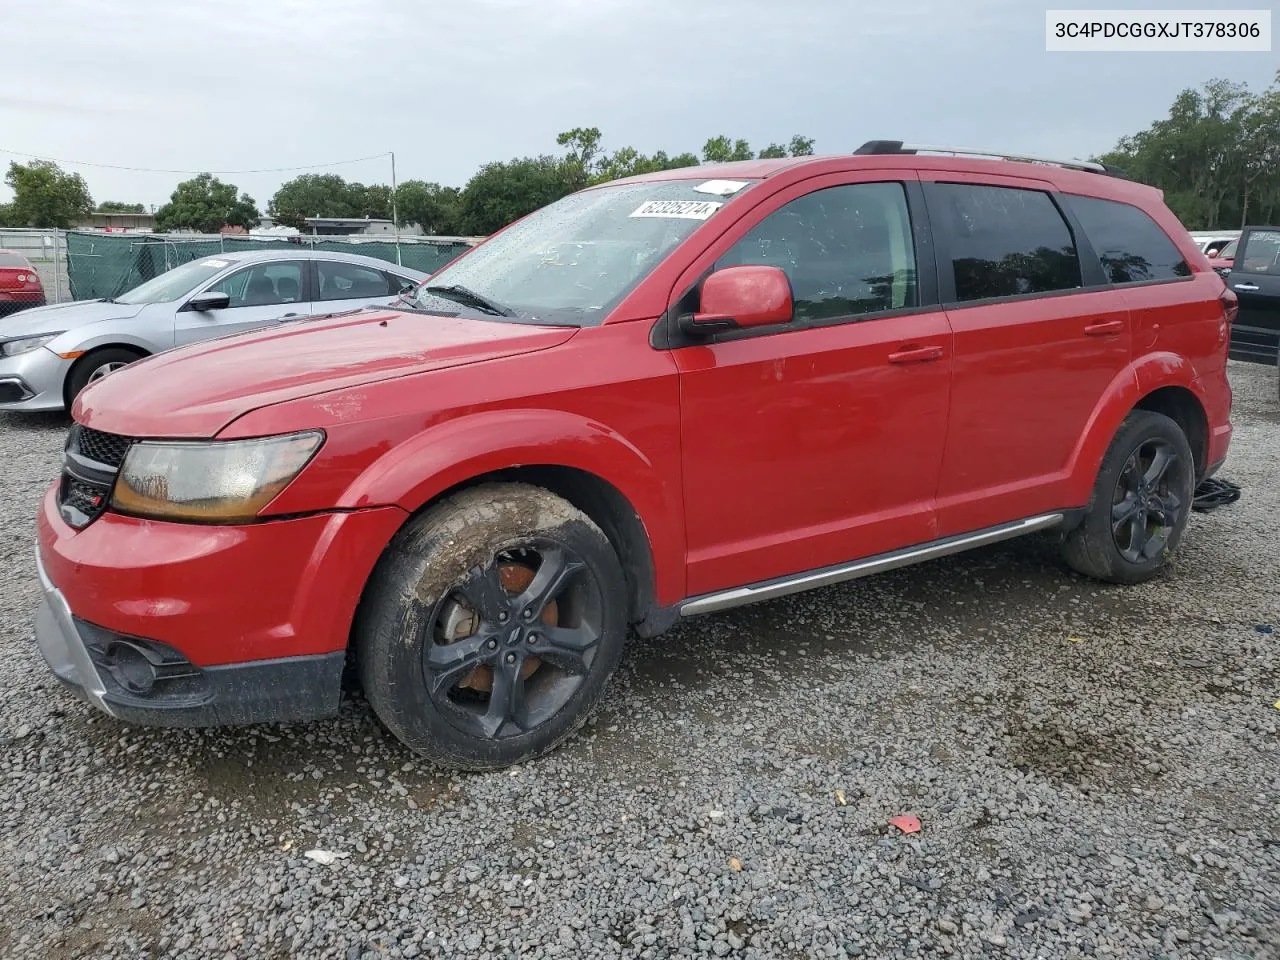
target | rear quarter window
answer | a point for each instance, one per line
(1130, 245)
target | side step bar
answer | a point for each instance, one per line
(825, 576)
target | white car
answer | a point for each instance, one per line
(49, 354)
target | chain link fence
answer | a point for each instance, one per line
(89, 265)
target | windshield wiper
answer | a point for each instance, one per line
(464, 295)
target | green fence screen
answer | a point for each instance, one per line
(106, 265)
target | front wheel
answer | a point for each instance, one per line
(491, 626)
(95, 365)
(1140, 505)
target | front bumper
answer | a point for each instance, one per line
(139, 681)
(188, 625)
(33, 381)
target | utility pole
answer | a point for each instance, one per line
(395, 217)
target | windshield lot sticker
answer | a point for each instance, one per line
(214, 263)
(721, 188)
(678, 209)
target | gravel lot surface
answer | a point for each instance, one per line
(1096, 769)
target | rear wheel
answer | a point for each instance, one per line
(1140, 504)
(95, 365)
(491, 626)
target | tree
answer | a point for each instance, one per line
(327, 195)
(206, 204)
(584, 147)
(311, 195)
(801, 146)
(372, 201)
(630, 162)
(115, 206)
(722, 150)
(434, 208)
(45, 196)
(798, 147)
(502, 192)
(1215, 155)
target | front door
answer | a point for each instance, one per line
(262, 294)
(817, 441)
(1255, 280)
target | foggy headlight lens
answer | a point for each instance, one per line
(215, 482)
(12, 348)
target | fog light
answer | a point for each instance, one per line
(130, 666)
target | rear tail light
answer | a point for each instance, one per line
(22, 278)
(1230, 306)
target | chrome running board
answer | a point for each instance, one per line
(825, 576)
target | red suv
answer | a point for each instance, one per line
(659, 397)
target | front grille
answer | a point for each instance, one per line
(89, 473)
(105, 448)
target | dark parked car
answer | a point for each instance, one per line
(20, 285)
(1255, 280)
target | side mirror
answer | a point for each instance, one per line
(741, 297)
(209, 300)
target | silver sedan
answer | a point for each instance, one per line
(49, 354)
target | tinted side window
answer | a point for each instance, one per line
(1131, 245)
(1261, 254)
(1004, 242)
(349, 281)
(846, 250)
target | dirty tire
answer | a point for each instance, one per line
(1092, 548)
(79, 376)
(451, 544)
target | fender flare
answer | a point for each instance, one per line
(462, 448)
(1140, 378)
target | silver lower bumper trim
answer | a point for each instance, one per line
(60, 643)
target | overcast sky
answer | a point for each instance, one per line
(251, 84)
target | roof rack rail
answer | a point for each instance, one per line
(880, 147)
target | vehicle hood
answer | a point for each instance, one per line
(64, 316)
(197, 390)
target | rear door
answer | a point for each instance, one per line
(261, 294)
(341, 285)
(1039, 336)
(1255, 280)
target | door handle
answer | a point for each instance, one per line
(1247, 287)
(912, 354)
(1104, 328)
(287, 316)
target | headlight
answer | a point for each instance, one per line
(12, 348)
(212, 481)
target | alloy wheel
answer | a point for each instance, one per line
(1146, 506)
(508, 646)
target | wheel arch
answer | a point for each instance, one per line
(631, 499)
(1161, 382)
(1182, 406)
(611, 511)
(87, 356)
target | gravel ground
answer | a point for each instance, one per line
(1096, 770)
